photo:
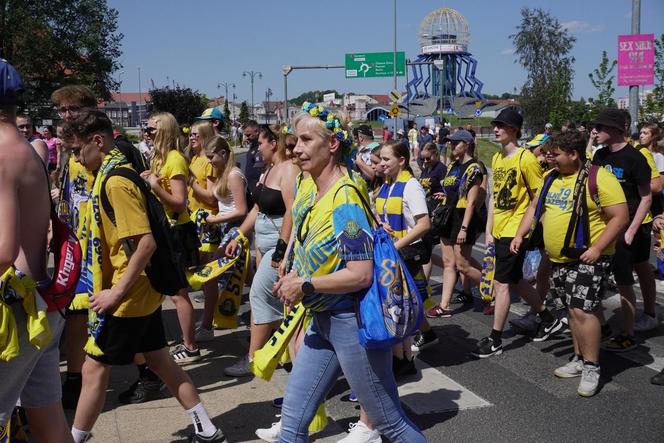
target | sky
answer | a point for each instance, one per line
(200, 44)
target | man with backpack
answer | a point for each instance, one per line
(125, 316)
(517, 175)
(587, 203)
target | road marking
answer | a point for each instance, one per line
(434, 392)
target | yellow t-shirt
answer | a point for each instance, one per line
(654, 173)
(175, 165)
(131, 219)
(558, 211)
(201, 169)
(510, 196)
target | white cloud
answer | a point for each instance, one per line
(508, 51)
(577, 26)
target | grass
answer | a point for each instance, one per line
(486, 150)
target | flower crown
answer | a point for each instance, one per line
(287, 129)
(332, 122)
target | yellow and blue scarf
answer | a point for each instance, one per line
(389, 204)
(91, 275)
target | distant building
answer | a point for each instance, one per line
(623, 102)
(127, 109)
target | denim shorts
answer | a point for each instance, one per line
(265, 307)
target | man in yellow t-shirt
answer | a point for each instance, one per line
(578, 275)
(516, 177)
(131, 307)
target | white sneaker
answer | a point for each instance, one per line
(572, 369)
(270, 434)
(645, 323)
(589, 381)
(360, 433)
(203, 334)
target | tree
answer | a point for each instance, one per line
(184, 103)
(244, 113)
(542, 47)
(227, 115)
(653, 106)
(311, 96)
(59, 42)
(603, 80)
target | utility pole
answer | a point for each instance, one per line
(268, 94)
(225, 85)
(634, 90)
(394, 67)
(251, 75)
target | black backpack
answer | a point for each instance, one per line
(165, 272)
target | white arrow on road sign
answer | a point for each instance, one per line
(364, 68)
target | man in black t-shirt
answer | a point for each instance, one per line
(633, 245)
(254, 166)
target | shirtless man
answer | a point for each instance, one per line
(33, 374)
(26, 128)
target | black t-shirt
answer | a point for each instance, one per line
(430, 179)
(254, 166)
(631, 169)
(442, 135)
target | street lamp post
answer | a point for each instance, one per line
(251, 75)
(120, 74)
(225, 85)
(268, 94)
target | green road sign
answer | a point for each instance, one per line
(375, 64)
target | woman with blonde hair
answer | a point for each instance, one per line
(229, 190)
(168, 177)
(271, 219)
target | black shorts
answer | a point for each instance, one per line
(509, 267)
(579, 285)
(628, 255)
(473, 231)
(123, 337)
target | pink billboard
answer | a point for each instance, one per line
(636, 60)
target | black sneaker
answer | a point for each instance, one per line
(463, 298)
(71, 390)
(402, 367)
(545, 330)
(424, 340)
(217, 437)
(142, 391)
(487, 348)
(658, 379)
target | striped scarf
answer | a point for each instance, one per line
(91, 275)
(389, 204)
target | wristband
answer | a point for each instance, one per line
(279, 251)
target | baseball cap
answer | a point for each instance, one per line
(11, 85)
(461, 135)
(211, 114)
(611, 117)
(365, 130)
(509, 117)
(538, 140)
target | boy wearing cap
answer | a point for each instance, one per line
(517, 175)
(215, 116)
(633, 244)
(28, 369)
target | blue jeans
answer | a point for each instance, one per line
(330, 346)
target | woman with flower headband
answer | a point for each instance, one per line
(332, 267)
(271, 219)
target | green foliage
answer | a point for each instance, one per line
(580, 111)
(227, 116)
(653, 106)
(602, 79)
(59, 42)
(184, 103)
(542, 47)
(311, 96)
(244, 113)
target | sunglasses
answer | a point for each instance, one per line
(150, 130)
(194, 135)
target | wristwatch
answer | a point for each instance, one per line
(307, 286)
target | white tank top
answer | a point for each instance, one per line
(227, 204)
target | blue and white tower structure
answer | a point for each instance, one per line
(444, 37)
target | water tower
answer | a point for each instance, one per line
(444, 37)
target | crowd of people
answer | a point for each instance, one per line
(305, 203)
